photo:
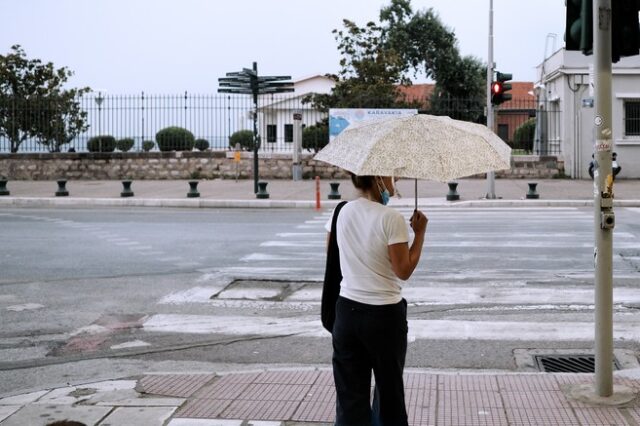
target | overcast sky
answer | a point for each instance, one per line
(172, 46)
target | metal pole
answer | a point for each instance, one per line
(297, 145)
(603, 199)
(255, 130)
(491, 188)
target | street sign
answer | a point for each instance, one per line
(236, 90)
(247, 82)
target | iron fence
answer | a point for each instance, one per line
(529, 127)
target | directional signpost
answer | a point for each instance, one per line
(248, 82)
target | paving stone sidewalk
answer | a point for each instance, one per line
(307, 397)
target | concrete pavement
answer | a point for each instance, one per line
(279, 397)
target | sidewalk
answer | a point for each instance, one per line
(302, 194)
(307, 397)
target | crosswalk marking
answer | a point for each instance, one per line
(525, 274)
(309, 326)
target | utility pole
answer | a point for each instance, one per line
(491, 183)
(604, 219)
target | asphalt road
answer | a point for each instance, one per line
(94, 293)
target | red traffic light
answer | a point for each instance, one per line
(496, 88)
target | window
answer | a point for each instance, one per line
(632, 117)
(288, 132)
(272, 132)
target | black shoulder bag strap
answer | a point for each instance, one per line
(332, 276)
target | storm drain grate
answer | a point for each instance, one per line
(568, 363)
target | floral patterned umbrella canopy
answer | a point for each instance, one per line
(418, 146)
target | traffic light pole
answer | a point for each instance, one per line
(491, 183)
(604, 220)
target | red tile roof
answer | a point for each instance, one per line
(521, 92)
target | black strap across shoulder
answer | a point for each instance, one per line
(332, 275)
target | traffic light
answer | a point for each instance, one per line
(625, 29)
(579, 26)
(500, 87)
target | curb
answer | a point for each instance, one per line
(283, 204)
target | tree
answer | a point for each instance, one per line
(377, 58)
(426, 44)
(34, 104)
(316, 137)
(370, 71)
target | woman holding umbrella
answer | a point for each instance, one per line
(370, 330)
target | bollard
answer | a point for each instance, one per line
(453, 195)
(62, 189)
(262, 190)
(317, 192)
(126, 189)
(532, 194)
(334, 194)
(3, 187)
(193, 189)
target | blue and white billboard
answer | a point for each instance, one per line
(341, 118)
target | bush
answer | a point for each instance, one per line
(244, 138)
(125, 144)
(315, 137)
(201, 144)
(524, 135)
(148, 145)
(103, 143)
(175, 139)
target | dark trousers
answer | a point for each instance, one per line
(369, 338)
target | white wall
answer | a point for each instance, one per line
(565, 78)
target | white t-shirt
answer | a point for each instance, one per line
(365, 231)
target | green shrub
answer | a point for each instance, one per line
(524, 135)
(175, 139)
(315, 137)
(148, 145)
(201, 144)
(125, 144)
(244, 138)
(104, 143)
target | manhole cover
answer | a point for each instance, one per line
(568, 363)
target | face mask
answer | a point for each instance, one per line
(384, 193)
(385, 197)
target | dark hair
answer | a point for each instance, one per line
(363, 183)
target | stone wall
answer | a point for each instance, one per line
(203, 165)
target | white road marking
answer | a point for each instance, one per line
(309, 326)
(132, 344)
(127, 243)
(25, 307)
(300, 234)
(274, 257)
(192, 295)
(507, 297)
(293, 244)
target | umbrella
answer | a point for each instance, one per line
(418, 146)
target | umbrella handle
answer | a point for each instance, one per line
(416, 192)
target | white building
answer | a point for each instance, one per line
(565, 89)
(275, 113)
